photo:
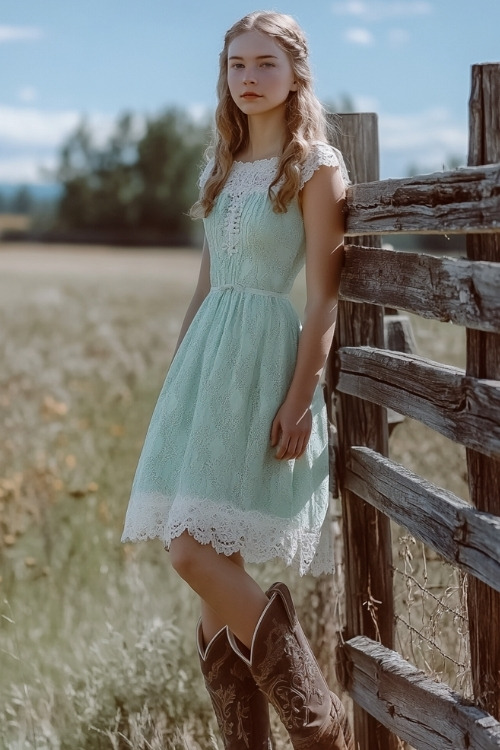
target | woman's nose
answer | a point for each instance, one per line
(249, 76)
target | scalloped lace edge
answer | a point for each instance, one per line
(258, 537)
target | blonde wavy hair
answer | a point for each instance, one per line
(304, 116)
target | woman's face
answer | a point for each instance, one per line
(260, 74)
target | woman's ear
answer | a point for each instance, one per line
(294, 86)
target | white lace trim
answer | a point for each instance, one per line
(322, 154)
(257, 536)
(205, 173)
(256, 176)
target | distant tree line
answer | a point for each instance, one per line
(21, 201)
(139, 185)
(136, 187)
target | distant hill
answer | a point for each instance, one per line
(39, 191)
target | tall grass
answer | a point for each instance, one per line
(93, 632)
(96, 638)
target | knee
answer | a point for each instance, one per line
(184, 556)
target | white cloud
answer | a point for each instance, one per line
(102, 126)
(433, 130)
(398, 37)
(27, 94)
(26, 169)
(30, 138)
(364, 103)
(351, 8)
(199, 112)
(34, 126)
(30, 126)
(19, 33)
(379, 10)
(426, 139)
(360, 36)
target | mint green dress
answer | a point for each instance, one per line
(207, 465)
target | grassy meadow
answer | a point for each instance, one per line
(97, 638)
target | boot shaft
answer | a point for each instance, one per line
(241, 709)
(284, 667)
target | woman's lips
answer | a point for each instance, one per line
(250, 96)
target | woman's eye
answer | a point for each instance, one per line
(268, 65)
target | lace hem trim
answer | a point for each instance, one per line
(257, 536)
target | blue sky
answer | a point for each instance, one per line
(407, 60)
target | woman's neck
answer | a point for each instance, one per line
(267, 135)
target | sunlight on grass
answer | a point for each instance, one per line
(97, 638)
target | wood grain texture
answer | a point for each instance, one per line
(464, 292)
(366, 532)
(462, 408)
(483, 361)
(460, 533)
(459, 201)
(425, 713)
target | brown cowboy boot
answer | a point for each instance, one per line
(284, 667)
(241, 709)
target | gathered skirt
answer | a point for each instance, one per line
(207, 465)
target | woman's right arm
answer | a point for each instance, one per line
(201, 291)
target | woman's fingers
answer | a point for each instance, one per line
(301, 449)
(290, 434)
(291, 446)
(288, 448)
(275, 431)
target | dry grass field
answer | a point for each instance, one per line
(97, 647)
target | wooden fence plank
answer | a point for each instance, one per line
(425, 713)
(440, 519)
(461, 291)
(366, 532)
(483, 361)
(462, 408)
(460, 201)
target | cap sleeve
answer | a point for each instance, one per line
(205, 173)
(322, 154)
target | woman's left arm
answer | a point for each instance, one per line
(323, 199)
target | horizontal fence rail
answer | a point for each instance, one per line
(459, 201)
(461, 291)
(440, 519)
(462, 408)
(425, 713)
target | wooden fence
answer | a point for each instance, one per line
(393, 698)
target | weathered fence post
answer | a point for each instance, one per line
(366, 532)
(483, 361)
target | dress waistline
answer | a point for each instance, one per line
(248, 290)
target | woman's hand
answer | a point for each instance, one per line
(291, 430)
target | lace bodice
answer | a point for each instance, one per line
(251, 245)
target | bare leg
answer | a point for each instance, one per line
(231, 597)
(211, 623)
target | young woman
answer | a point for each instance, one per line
(235, 463)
